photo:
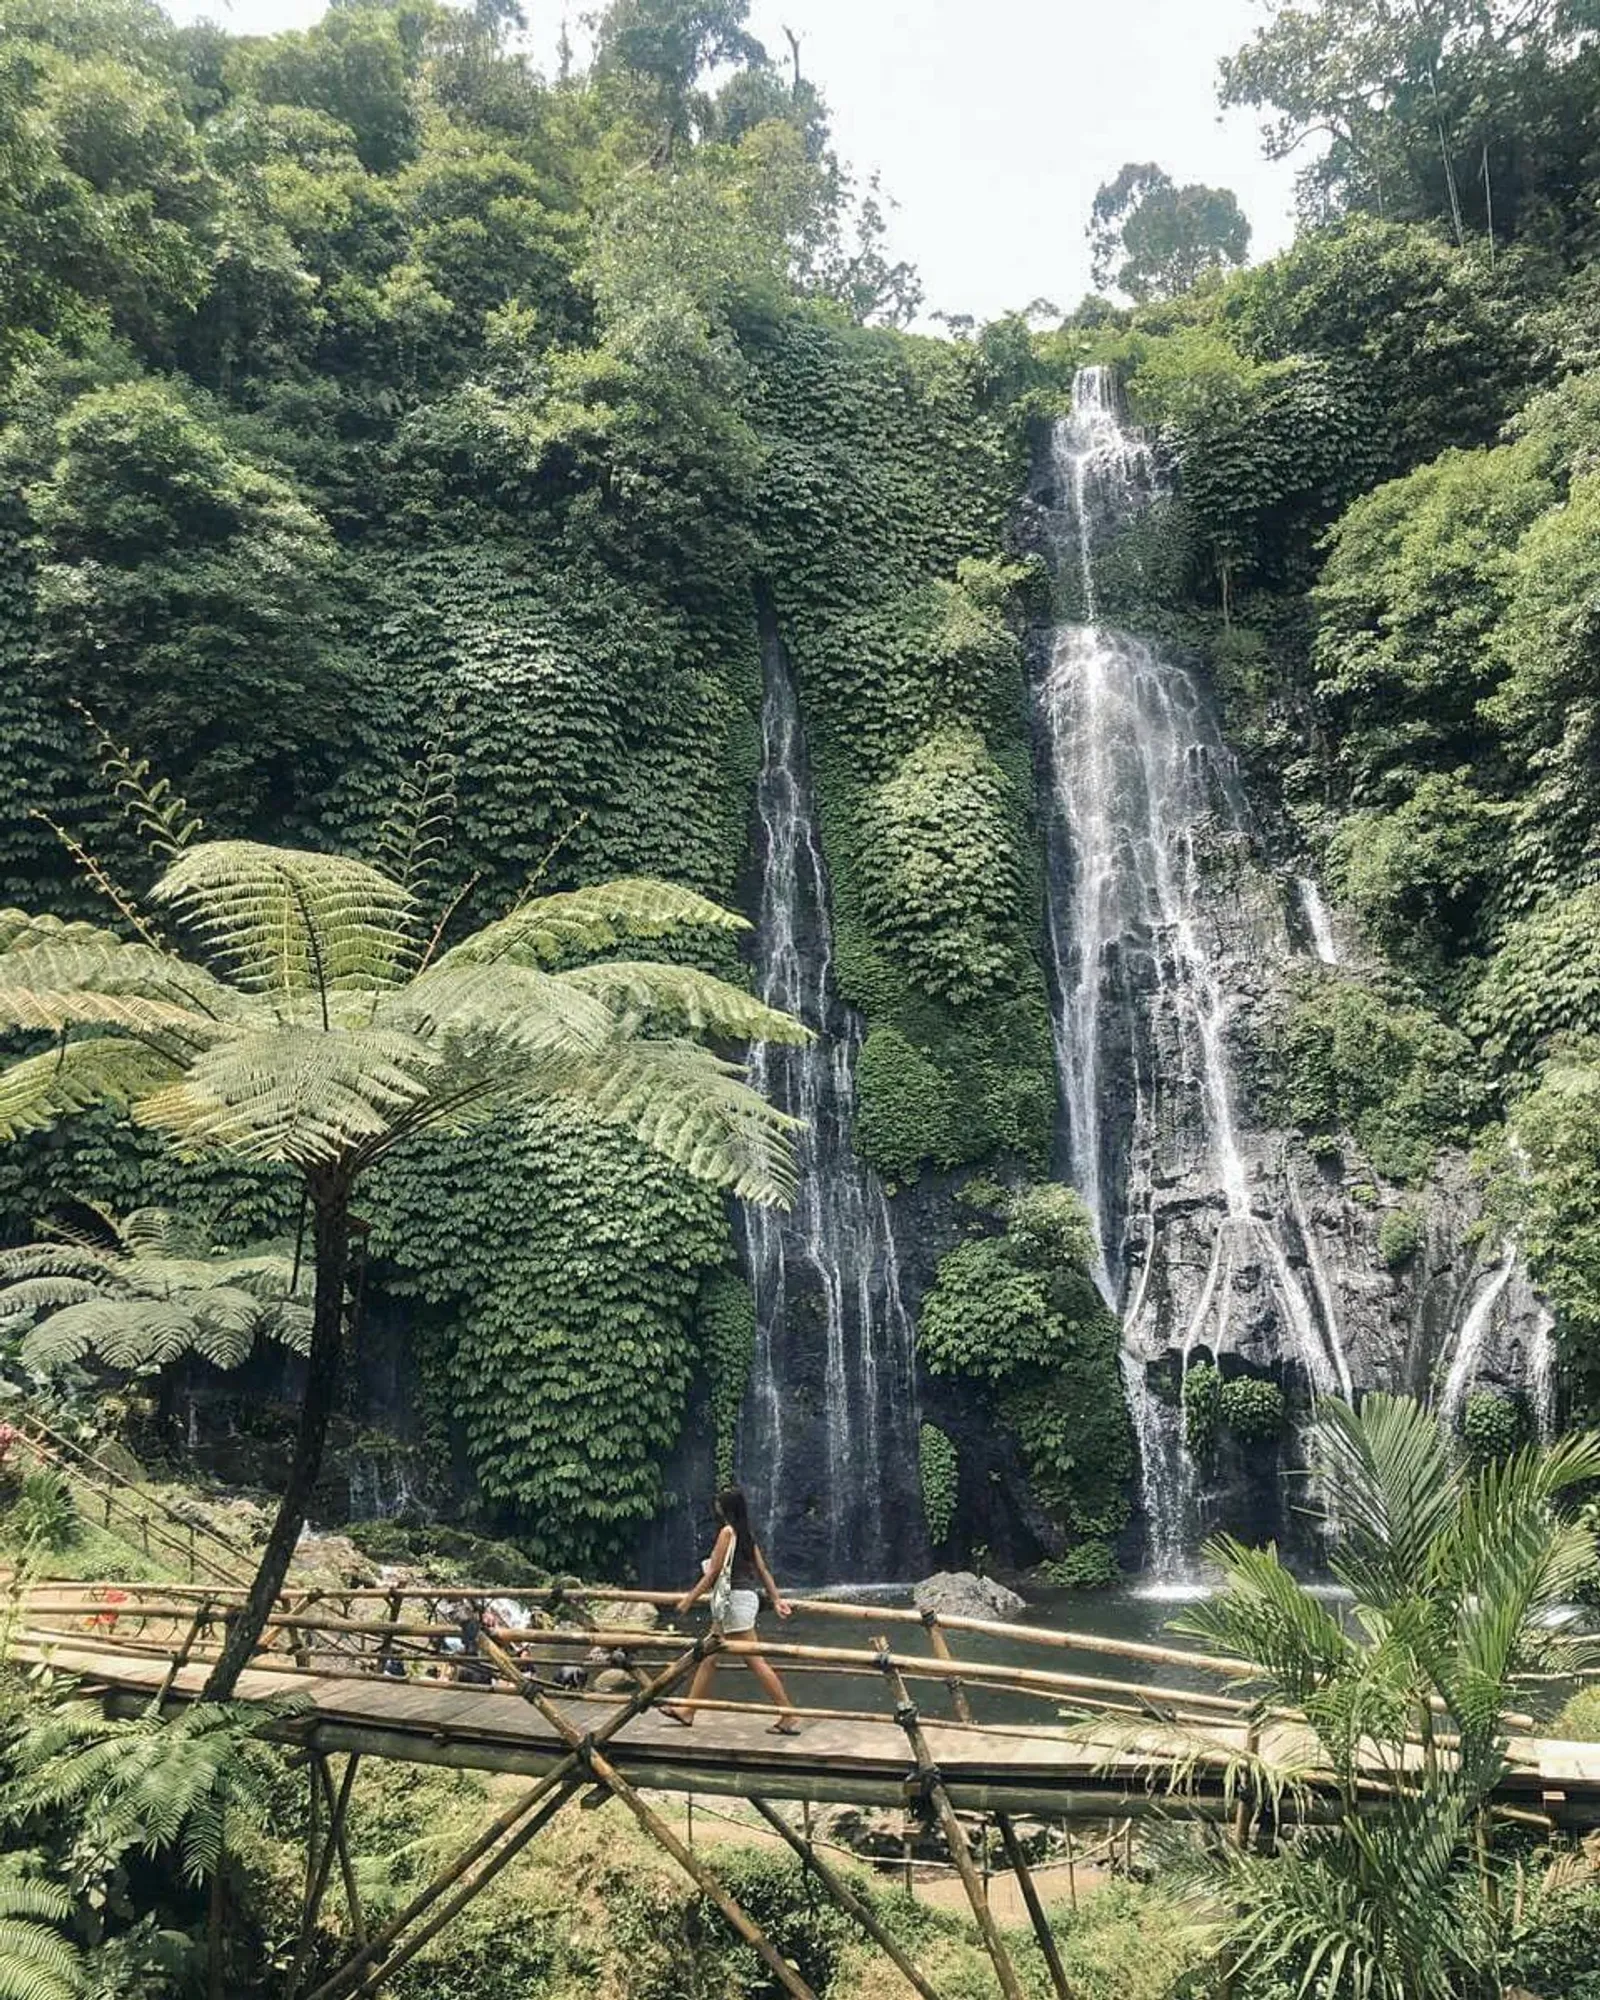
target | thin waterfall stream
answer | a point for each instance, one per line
(828, 1441)
(1142, 796)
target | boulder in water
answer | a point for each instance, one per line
(961, 1593)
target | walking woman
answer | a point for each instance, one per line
(733, 1575)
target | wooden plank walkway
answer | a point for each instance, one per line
(1043, 1770)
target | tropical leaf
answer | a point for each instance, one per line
(292, 1093)
(37, 1091)
(156, 1295)
(284, 921)
(547, 930)
(679, 996)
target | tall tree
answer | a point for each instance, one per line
(1423, 105)
(319, 1024)
(661, 48)
(1152, 238)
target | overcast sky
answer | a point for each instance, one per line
(992, 122)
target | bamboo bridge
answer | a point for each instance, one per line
(581, 1690)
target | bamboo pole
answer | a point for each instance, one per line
(375, 1950)
(737, 1917)
(337, 1809)
(1007, 1826)
(845, 1897)
(954, 1833)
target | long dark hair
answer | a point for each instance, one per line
(734, 1512)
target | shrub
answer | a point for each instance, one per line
(902, 1106)
(44, 1514)
(1400, 1236)
(1580, 1718)
(1252, 1409)
(1202, 1410)
(1492, 1425)
(1050, 1226)
(1088, 1565)
(940, 1482)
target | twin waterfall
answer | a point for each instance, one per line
(1170, 937)
(829, 1440)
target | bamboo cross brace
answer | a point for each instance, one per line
(180, 1658)
(337, 1811)
(739, 1919)
(932, 1786)
(556, 1780)
(845, 1897)
(1007, 1825)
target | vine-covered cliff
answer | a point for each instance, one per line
(394, 436)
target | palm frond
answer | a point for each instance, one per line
(1269, 1622)
(37, 1091)
(285, 921)
(36, 1961)
(679, 996)
(547, 930)
(1395, 1485)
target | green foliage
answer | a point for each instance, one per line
(1546, 1181)
(1579, 1718)
(141, 1292)
(38, 1958)
(1543, 982)
(446, 1555)
(1089, 1565)
(940, 1468)
(1252, 1410)
(1202, 1410)
(1401, 1234)
(564, 1326)
(43, 1516)
(1019, 1315)
(1395, 1078)
(1492, 1426)
(725, 1339)
(1455, 1575)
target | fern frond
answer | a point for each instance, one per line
(93, 962)
(679, 996)
(417, 830)
(292, 1093)
(546, 930)
(698, 1112)
(161, 819)
(285, 921)
(100, 1069)
(514, 1008)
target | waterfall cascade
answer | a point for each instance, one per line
(1169, 932)
(828, 1442)
(1149, 833)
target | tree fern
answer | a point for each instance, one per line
(37, 1962)
(149, 1783)
(152, 1291)
(306, 1028)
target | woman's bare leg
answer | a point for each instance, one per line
(776, 1692)
(704, 1675)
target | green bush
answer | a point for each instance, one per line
(44, 1515)
(1557, 1960)
(1580, 1716)
(1400, 1236)
(940, 1469)
(903, 1106)
(1252, 1410)
(1202, 1410)
(1493, 1426)
(1088, 1565)
(446, 1554)
(1050, 1225)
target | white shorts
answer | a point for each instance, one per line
(742, 1608)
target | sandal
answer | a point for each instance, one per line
(784, 1726)
(675, 1715)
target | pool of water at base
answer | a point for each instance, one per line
(1142, 1612)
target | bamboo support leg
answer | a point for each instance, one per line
(180, 1659)
(1008, 1832)
(562, 1778)
(319, 1867)
(954, 1833)
(844, 1896)
(738, 1919)
(337, 1810)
